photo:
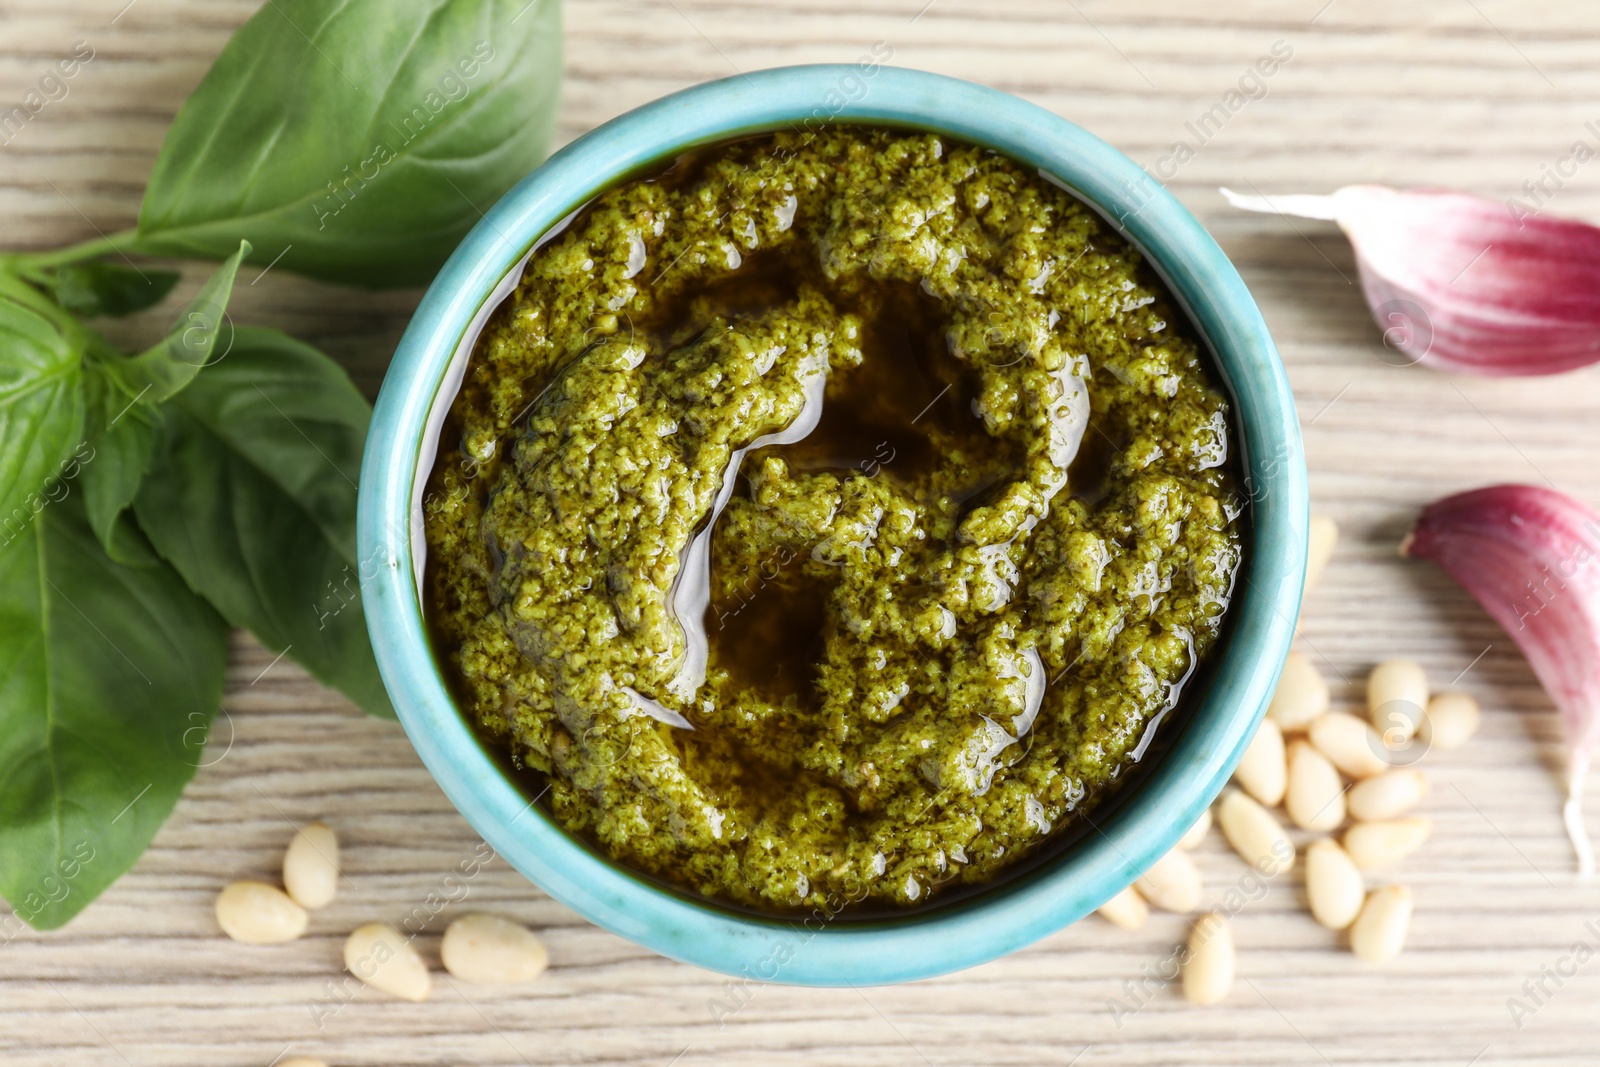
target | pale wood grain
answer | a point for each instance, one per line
(1479, 95)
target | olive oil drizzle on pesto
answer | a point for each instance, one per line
(940, 625)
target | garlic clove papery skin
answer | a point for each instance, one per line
(1464, 283)
(1531, 557)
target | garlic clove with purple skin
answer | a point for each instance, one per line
(1464, 283)
(1531, 557)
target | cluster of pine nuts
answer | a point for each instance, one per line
(257, 913)
(1328, 770)
(485, 949)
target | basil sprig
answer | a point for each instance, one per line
(150, 501)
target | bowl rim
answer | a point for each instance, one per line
(811, 951)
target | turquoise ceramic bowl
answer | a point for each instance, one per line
(1129, 837)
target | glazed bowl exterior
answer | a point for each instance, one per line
(816, 951)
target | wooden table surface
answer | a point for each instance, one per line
(1478, 94)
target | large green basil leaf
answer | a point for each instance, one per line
(41, 413)
(120, 442)
(161, 372)
(108, 678)
(124, 398)
(357, 140)
(101, 288)
(252, 497)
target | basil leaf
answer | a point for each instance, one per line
(121, 442)
(159, 373)
(123, 413)
(41, 413)
(108, 678)
(252, 497)
(100, 288)
(358, 141)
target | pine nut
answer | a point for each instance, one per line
(1379, 932)
(1378, 844)
(1127, 909)
(1389, 794)
(1172, 883)
(1451, 719)
(492, 950)
(1261, 768)
(311, 866)
(1352, 746)
(1333, 884)
(1208, 968)
(299, 1061)
(259, 914)
(378, 955)
(1397, 693)
(1316, 793)
(1196, 833)
(1254, 834)
(1323, 535)
(1301, 695)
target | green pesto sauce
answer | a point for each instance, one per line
(939, 626)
